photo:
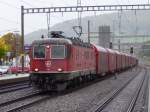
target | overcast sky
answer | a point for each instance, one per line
(10, 12)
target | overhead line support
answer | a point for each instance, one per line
(75, 9)
(87, 8)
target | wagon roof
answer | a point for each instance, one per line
(117, 52)
(110, 50)
(99, 48)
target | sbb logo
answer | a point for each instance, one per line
(48, 63)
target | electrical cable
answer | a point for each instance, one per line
(27, 3)
(8, 4)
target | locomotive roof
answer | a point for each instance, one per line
(53, 41)
(72, 41)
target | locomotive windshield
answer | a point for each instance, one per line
(39, 52)
(58, 52)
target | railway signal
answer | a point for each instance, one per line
(131, 50)
(110, 45)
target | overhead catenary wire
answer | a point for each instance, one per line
(8, 4)
(10, 21)
(13, 22)
(12, 6)
(125, 15)
(128, 1)
(27, 3)
(9, 30)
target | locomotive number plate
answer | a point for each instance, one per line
(47, 63)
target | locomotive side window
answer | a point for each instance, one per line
(39, 52)
(58, 52)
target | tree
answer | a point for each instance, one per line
(14, 43)
(4, 48)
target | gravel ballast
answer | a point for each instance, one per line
(83, 99)
(122, 101)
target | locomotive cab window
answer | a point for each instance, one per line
(58, 52)
(39, 52)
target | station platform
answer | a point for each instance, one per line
(13, 78)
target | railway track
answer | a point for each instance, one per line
(100, 106)
(19, 100)
(49, 97)
(141, 104)
(131, 105)
(23, 106)
(43, 98)
(11, 88)
(19, 108)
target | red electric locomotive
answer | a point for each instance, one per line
(59, 62)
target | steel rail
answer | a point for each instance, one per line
(19, 99)
(28, 104)
(104, 102)
(14, 89)
(13, 85)
(135, 96)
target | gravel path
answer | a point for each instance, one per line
(82, 99)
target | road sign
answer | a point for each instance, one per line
(27, 47)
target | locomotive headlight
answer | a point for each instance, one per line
(36, 69)
(59, 69)
(48, 46)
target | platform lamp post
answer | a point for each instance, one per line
(22, 35)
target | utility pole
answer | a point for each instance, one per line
(119, 44)
(22, 35)
(120, 17)
(99, 36)
(88, 31)
(113, 36)
(48, 24)
(79, 13)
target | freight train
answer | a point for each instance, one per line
(59, 62)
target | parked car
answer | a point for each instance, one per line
(4, 69)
